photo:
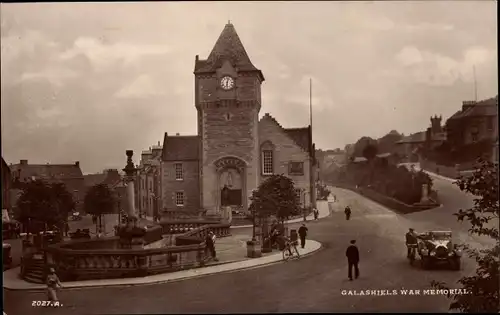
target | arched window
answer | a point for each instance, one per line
(267, 158)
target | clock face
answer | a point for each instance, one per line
(227, 83)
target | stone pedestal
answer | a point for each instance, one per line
(253, 249)
(130, 198)
(425, 194)
(228, 214)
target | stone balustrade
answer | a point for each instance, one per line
(197, 235)
(103, 259)
(73, 265)
(177, 214)
(184, 226)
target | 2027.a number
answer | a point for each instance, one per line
(45, 303)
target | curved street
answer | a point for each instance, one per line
(311, 284)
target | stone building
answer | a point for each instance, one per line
(475, 122)
(69, 174)
(148, 186)
(434, 136)
(234, 150)
(6, 186)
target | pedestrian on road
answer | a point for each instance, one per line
(66, 228)
(352, 254)
(316, 213)
(347, 212)
(302, 234)
(210, 243)
(52, 284)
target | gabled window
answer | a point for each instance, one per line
(179, 198)
(267, 162)
(179, 174)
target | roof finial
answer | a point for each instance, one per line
(229, 22)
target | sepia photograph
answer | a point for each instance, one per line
(218, 157)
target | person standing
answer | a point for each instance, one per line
(352, 254)
(66, 228)
(302, 234)
(210, 243)
(347, 212)
(316, 213)
(52, 284)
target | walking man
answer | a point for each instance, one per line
(302, 234)
(352, 254)
(52, 284)
(210, 242)
(347, 212)
(316, 213)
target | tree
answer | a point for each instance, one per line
(275, 196)
(388, 142)
(100, 200)
(483, 287)
(44, 205)
(370, 151)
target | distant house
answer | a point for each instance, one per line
(69, 174)
(114, 180)
(390, 158)
(434, 136)
(148, 184)
(6, 185)
(475, 122)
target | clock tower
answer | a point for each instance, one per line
(228, 101)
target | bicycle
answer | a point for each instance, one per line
(290, 250)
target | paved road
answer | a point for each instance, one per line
(452, 199)
(312, 284)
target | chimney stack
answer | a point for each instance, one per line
(77, 163)
(197, 57)
(158, 143)
(23, 162)
(177, 134)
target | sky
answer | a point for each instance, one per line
(87, 81)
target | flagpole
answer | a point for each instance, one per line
(310, 104)
(475, 83)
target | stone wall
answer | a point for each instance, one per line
(228, 131)
(189, 185)
(389, 202)
(285, 151)
(442, 170)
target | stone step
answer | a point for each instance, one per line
(40, 273)
(34, 279)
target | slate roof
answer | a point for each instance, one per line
(301, 136)
(227, 47)
(180, 148)
(93, 179)
(487, 107)
(417, 137)
(48, 171)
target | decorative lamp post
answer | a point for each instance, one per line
(131, 236)
(130, 171)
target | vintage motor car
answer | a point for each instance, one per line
(436, 247)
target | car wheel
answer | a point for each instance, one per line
(456, 264)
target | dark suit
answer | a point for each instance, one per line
(302, 235)
(352, 255)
